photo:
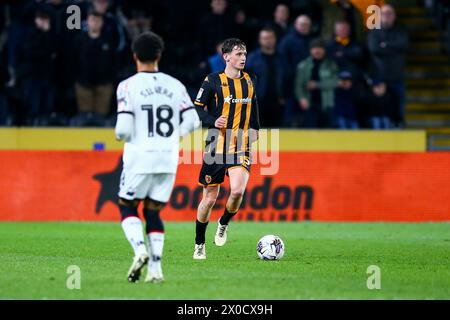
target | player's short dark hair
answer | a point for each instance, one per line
(229, 44)
(148, 46)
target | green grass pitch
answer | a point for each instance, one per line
(322, 261)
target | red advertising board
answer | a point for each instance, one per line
(318, 186)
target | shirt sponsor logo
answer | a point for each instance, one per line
(230, 100)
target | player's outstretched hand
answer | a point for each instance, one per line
(220, 122)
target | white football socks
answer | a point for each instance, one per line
(132, 227)
(156, 245)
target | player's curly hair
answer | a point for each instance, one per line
(230, 43)
(148, 47)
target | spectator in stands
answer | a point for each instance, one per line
(294, 47)
(215, 26)
(111, 24)
(4, 112)
(347, 53)
(5, 116)
(96, 67)
(315, 82)
(312, 9)
(138, 22)
(346, 102)
(381, 105)
(247, 28)
(388, 47)
(36, 69)
(270, 69)
(65, 103)
(216, 62)
(58, 14)
(21, 19)
(136, 17)
(2, 18)
(280, 21)
(343, 10)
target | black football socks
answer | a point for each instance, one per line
(200, 231)
(226, 217)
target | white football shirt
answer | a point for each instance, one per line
(156, 101)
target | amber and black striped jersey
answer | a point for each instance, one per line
(235, 99)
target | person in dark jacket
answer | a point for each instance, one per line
(111, 24)
(280, 21)
(5, 114)
(216, 62)
(347, 53)
(35, 71)
(215, 26)
(388, 47)
(295, 45)
(381, 105)
(315, 83)
(345, 104)
(270, 69)
(334, 11)
(294, 48)
(95, 65)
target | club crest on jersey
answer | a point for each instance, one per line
(208, 179)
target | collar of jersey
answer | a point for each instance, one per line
(241, 77)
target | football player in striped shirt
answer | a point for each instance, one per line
(227, 104)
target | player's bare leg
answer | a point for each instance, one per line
(155, 237)
(210, 194)
(132, 227)
(238, 182)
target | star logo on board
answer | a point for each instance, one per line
(109, 182)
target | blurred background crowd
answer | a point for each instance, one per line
(317, 64)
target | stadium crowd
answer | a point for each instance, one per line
(317, 65)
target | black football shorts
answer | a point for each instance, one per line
(214, 170)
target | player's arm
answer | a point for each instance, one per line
(124, 129)
(202, 101)
(254, 117)
(254, 121)
(189, 120)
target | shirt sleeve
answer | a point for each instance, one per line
(205, 94)
(254, 116)
(123, 99)
(203, 99)
(185, 101)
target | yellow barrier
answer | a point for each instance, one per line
(289, 140)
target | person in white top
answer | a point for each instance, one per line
(154, 110)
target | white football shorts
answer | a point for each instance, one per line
(156, 186)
